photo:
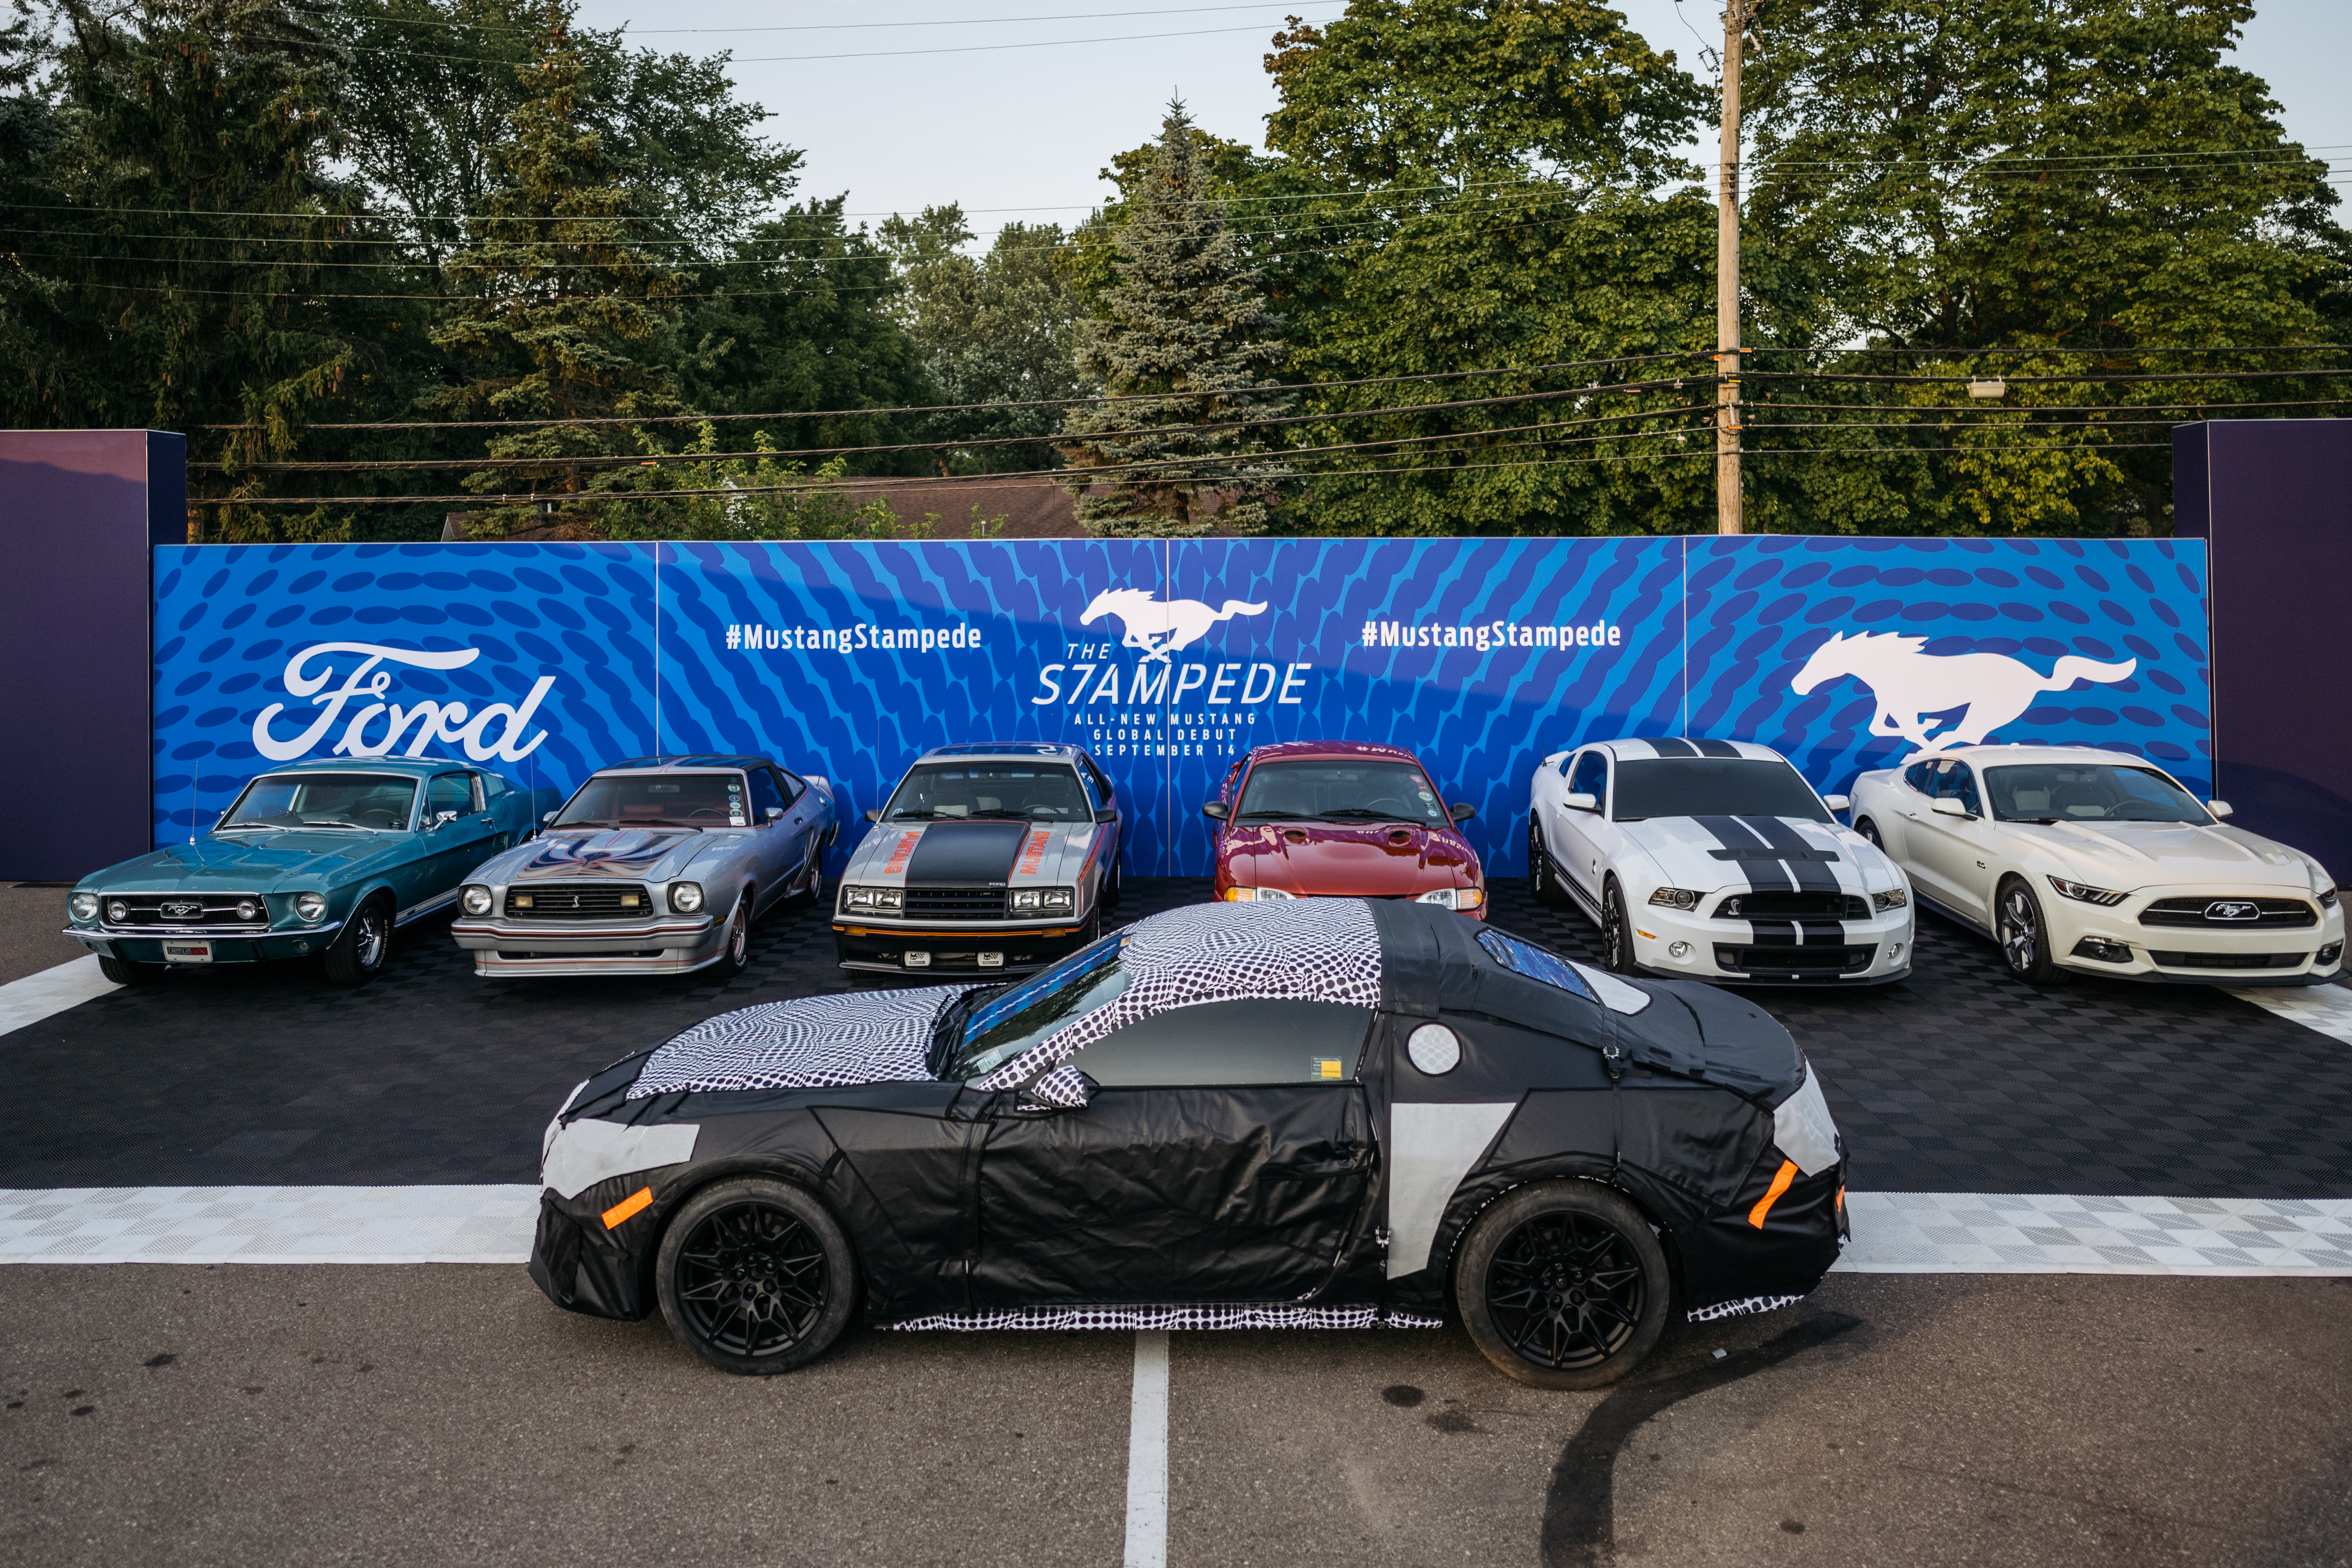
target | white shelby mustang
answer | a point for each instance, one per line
(1714, 860)
(2084, 860)
(987, 860)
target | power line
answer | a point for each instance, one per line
(804, 27)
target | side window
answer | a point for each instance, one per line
(1591, 777)
(1918, 777)
(1959, 781)
(765, 795)
(493, 786)
(1087, 786)
(1102, 780)
(794, 785)
(1231, 1042)
(449, 793)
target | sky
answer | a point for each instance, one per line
(1013, 121)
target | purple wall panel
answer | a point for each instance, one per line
(2274, 499)
(78, 512)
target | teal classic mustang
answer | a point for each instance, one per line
(316, 859)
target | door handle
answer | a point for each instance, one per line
(489, 821)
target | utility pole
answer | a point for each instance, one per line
(1727, 513)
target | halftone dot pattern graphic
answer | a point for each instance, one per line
(849, 659)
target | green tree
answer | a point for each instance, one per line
(1182, 347)
(2080, 184)
(574, 320)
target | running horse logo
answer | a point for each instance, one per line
(1160, 629)
(1914, 689)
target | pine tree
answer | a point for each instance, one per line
(574, 316)
(1182, 348)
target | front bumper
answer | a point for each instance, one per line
(674, 944)
(961, 950)
(247, 947)
(1872, 952)
(2087, 940)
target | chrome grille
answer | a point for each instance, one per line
(183, 911)
(2272, 914)
(579, 901)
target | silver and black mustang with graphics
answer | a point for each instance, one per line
(654, 865)
(1322, 1113)
(988, 860)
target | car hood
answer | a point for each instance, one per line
(984, 853)
(1704, 853)
(622, 854)
(1378, 860)
(251, 862)
(2146, 854)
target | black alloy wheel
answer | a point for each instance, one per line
(1616, 932)
(2024, 935)
(360, 952)
(1869, 831)
(1563, 1285)
(755, 1276)
(123, 972)
(1116, 889)
(1545, 885)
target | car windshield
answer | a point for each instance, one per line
(1337, 789)
(2088, 792)
(375, 801)
(1044, 791)
(657, 800)
(1712, 786)
(1014, 1020)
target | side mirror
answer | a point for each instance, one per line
(1945, 805)
(1462, 811)
(441, 818)
(1108, 814)
(1064, 1089)
(1582, 801)
(873, 814)
(1216, 811)
(1837, 802)
(548, 818)
(2218, 808)
(774, 812)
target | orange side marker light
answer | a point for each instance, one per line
(1781, 1179)
(643, 1199)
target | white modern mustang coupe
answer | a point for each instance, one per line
(1714, 860)
(2098, 863)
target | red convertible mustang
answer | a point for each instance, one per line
(1342, 818)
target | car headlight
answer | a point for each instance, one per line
(1892, 898)
(117, 911)
(83, 906)
(310, 906)
(686, 898)
(2086, 893)
(855, 898)
(475, 900)
(1675, 898)
(1257, 895)
(248, 910)
(1058, 898)
(2327, 897)
(1452, 897)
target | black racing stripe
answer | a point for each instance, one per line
(1799, 859)
(966, 854)
(1717, 749)
(1671, 747)
(1822, 933)
(1747, 853)
(1772, 931)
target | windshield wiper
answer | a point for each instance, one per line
(915, 816)
(1275, 817)
(1366, 811)
(998, 817)
(335, 821)
(638, 822)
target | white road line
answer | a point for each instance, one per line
(25, 1002)
(2327, 1008)
(1147, 1455)
(1894, 1232)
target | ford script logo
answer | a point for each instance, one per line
(2232, 909)
(499, 730)
(180, 910)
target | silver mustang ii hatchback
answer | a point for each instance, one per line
(656, 865)
(989, 859)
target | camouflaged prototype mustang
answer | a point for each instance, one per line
(1328, 1113)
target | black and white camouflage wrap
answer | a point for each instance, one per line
(1184, 1318)
(1314, 950)
(1747, 1306)
(815, 1042)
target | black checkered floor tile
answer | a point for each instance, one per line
(1958, 1080)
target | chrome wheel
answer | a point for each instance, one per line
(372, 937)
(2021, 933)
(1566, 1292)
(752, 1280)
(739, 934)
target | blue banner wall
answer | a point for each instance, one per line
(1167, 659)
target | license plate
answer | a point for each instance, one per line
(187, 953)
(992, 961)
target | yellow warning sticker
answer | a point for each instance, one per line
(1327, 1067)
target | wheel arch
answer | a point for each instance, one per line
(1482, 1191)
(796, 1171)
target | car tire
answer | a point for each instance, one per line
(1869, 831)
(1563, 1285)
(363, 947)
(736, 956)
(1116, 889)
(2023, 933)
(1541, 878)
(755, 1276)
(123, 972)
(1616, 932)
